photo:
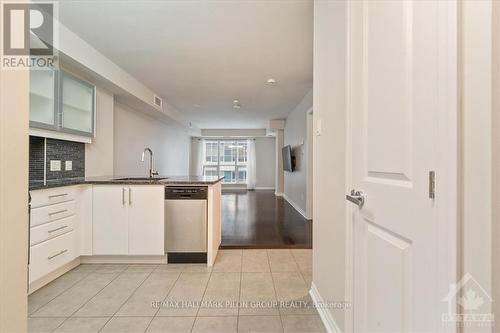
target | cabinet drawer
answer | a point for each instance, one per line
(40, 198)
(50, 213)
(52, 254)
(50, 230)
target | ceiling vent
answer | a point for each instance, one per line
(158, 101)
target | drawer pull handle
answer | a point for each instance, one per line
(57, 195)
(57, 229)
(57, 254)
(58, 212)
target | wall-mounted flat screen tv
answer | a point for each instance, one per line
(288, 158)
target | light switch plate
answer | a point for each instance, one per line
(318, 127)
(55, 165)
(68, 165)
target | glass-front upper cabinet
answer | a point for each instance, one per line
(43, 89)
(61, 102)
(77, 104)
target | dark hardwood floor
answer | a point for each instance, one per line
(259, 219)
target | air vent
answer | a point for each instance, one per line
(158, 101)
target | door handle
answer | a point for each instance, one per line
(129, 196)
(57, 254)
(57, 195)
(357, 197)
(123, 196)
(57, 229)
(58, 212)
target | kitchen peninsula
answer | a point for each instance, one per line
(109, 220)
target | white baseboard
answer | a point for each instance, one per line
(294, 205)
(37, 284)
(325, 315)
(264, 188)
(278, 194)
(123, 259)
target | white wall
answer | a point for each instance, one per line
(99, 153)
(476, 150)
(265, 162)
(133, 131)
(295, 183)
(14, 111)
(329, 156)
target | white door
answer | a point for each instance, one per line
(146, 220)
(394, 103)
(110, 220)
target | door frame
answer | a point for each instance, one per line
(495, 241)
(446, 166)
(309, 165)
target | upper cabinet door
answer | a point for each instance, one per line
(43, 109)
(77, 104)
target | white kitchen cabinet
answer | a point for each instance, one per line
(51, 213)
(59, 221)
(51, 196)
(146, 221)
(43, 109)
(128, 220)
(62, 102)
(77, 105)
(110, 220)
(50, 255)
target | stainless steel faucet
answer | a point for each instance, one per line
(152, 171)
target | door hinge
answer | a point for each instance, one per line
(432, 184)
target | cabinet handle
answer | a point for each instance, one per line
(129, 196)
(57, 254)
(58, 212)
(57, 229)
(57, 195)
(123, 196)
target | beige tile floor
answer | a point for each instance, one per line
(246, 291)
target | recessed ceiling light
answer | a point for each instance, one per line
(271, 80)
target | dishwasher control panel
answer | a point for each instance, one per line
(186, 193)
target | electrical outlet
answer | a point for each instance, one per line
(68, 165)
(55, 165)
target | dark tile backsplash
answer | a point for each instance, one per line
(66, 151)
(36, 159)
(56, 150)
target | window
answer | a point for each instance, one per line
(227, 158)
(211, 152)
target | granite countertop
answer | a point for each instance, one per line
(129, 180)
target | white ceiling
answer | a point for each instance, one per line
(200, 55)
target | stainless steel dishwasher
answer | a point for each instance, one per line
(186, 224)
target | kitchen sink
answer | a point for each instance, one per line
(140, 178)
